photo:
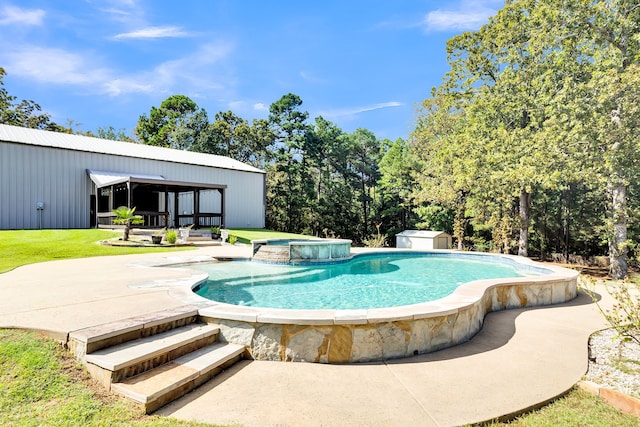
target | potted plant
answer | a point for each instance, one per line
(183, 233)
(156, 237)
(215, 233)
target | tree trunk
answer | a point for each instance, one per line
(525, 210)
(127, 228)
(459, 220)
(618, 233)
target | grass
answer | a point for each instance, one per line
(43, 385)
(246, 235)
(578, 408)
(20, 247)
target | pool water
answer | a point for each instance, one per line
(367, 281)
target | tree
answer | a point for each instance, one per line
(289, 186)
(365, 151)
(23, 113)
(233, 136)
(177, 123)
(126, 216)
(598, 104)
(113, 134)
(396, 183)
(448, 162)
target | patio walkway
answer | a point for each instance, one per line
(519, 359)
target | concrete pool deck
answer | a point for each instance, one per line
(520, 358)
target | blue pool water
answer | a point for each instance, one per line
(367, 281)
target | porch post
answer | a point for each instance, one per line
(222, 219)
(176, 211)
(196, 208)
(166, 207)
(129, 195)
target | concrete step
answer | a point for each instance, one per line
(159, 386)
(116, 363)
(89, 340)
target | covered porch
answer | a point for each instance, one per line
(161, 202)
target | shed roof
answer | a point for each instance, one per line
(66, 141)
(422, 233)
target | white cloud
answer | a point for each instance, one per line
(153, 33)
(468, 15)
(51, 65)
(259, 106)
(14, 15)
(349, 112)
(194, 73)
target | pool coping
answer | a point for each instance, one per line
(465, 296)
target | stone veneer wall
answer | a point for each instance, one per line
(363, 341)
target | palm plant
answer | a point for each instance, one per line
(126, 216)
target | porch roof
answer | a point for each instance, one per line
(107, 178)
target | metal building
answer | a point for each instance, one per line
(57, 180)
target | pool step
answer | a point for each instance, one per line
(159, 386)
(155, 358)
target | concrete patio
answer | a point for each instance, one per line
(520, 359)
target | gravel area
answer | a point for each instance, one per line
(614, 364)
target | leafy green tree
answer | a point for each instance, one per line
(177, 123)
(289, 185)
(364, 158)
(447, 163)
(396, 184)
(23, 113)
(113, 134)
(596, 106)
(233, 136)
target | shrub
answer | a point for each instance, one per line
(171, 236)
(232, 240)
(624, 316)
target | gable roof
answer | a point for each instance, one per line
(66, 141)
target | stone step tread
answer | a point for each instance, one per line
(109, 330)
(159, 381)
(132, 352)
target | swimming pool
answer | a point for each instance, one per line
(364, 282)
(328, 335)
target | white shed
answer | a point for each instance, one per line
(57, 180)
(423, 239)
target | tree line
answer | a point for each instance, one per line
(528, 146)
(532, 137)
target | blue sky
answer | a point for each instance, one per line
(358, 63)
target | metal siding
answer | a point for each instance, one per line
(58, 178)
(87, 144)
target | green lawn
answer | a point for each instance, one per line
(44, 386)
(578, 408)
(246, 235)
(19, 247)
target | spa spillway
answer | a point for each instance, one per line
(301, 250)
